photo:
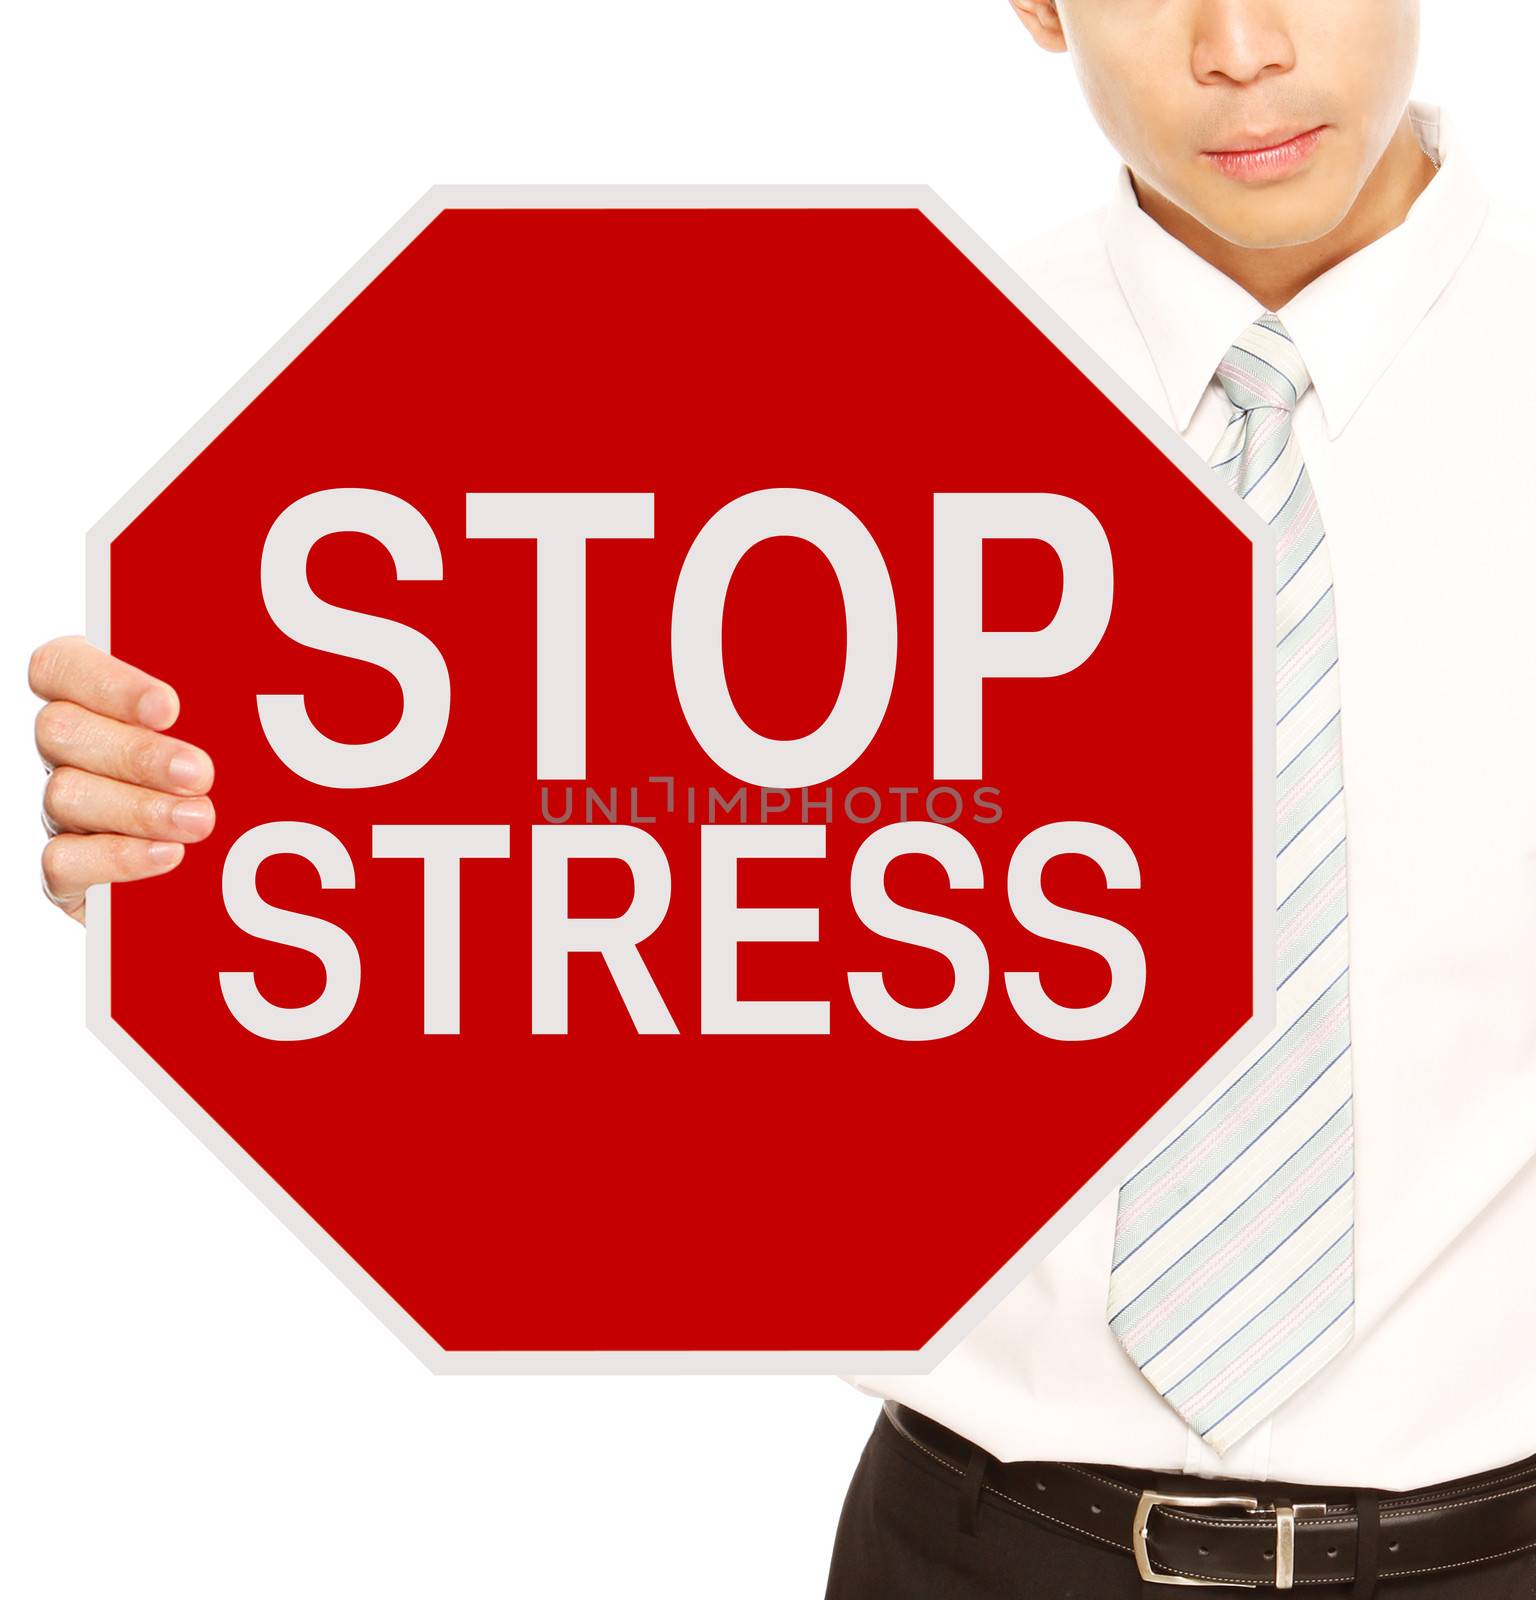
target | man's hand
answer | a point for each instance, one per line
(122, 800)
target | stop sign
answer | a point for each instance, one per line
(745, 771)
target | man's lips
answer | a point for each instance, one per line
(1262, 141)
(1266, 156)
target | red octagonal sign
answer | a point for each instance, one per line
(743, 780)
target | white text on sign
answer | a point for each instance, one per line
(965, 657)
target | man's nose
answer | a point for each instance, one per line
(1240, 41)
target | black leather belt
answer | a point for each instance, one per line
(1193, 1530)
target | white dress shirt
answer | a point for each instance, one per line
(1418, 432)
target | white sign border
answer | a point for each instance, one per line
(918, 197)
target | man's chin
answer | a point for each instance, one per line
(1268, 216)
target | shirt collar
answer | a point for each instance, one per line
(1189, 312)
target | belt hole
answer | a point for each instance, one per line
(1333, 1549)
(1205, 1549)
(1269, 1555)
(1095, 1509)
(1040, 1486)
(1393, 1547)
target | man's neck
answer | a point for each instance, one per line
(1274, 274)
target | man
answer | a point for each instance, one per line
(1316, 1297)
(1309, 1308)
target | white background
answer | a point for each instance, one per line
(190, 1404)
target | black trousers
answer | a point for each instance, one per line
(900, 1537)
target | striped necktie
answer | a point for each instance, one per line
(1233, 1267)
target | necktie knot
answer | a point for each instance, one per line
(1263, 367)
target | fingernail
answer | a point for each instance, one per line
(192, 816)
(165, 855)
(185, 770)
(157, 707)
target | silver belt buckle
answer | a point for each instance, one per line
(1285, 1540)
(1285, 1537)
